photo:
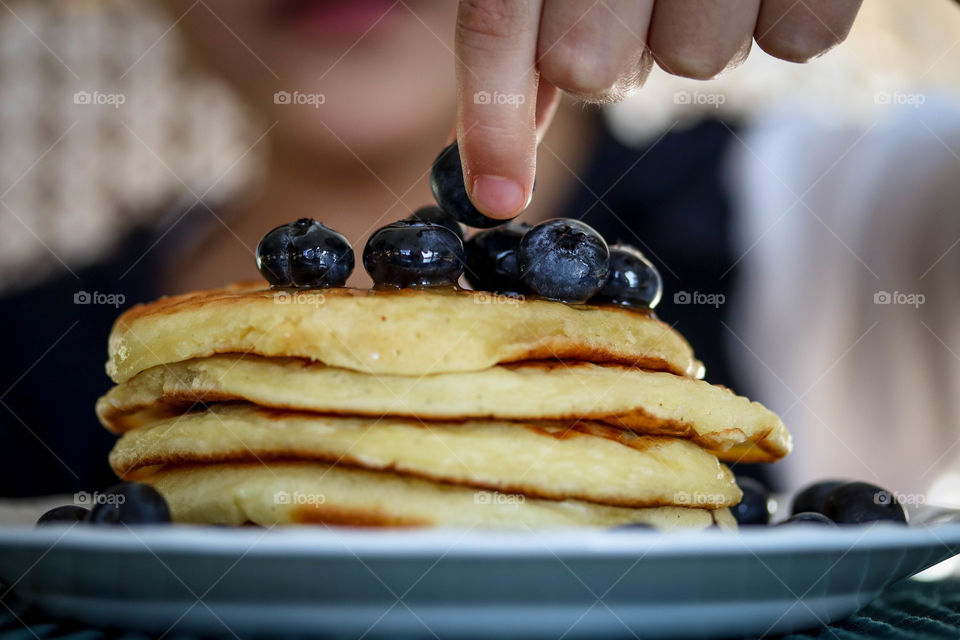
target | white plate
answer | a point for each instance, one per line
(463, 583)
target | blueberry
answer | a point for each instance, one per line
(436, 215)
(632, 281)
(450, 192)
(305, 253)
(809, 517)
(861, 502)
(492, 258)
(754, 508)
(410, 253)
(63, 515)
(130, 503)
(811, 498)
(563, 259)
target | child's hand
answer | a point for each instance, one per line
(514, 57)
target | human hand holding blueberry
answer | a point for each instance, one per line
(515, 57)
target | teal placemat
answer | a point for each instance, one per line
(909, 610)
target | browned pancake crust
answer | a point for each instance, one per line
(655, 403)
(407, 332)
(552, 461)
(238, 493)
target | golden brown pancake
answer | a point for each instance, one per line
(284, 492)
(655, 403)
(585, 461)
(407, 332)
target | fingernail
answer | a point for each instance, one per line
(498, 196)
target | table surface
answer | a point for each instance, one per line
(909, 610)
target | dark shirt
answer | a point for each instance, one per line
(667, 200)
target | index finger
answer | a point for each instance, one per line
(496, 45)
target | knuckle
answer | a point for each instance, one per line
(698, 65)
(487, 20)
(573, 71)
(799, 46)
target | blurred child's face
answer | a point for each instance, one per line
(371, 75)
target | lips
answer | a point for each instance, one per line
(331, 18)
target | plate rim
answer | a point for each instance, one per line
(337, 541)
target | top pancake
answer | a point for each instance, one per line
(406, 332)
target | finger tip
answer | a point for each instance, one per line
(499, 197)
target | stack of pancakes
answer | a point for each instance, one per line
(420, 407)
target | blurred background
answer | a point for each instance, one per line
(804, 217)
